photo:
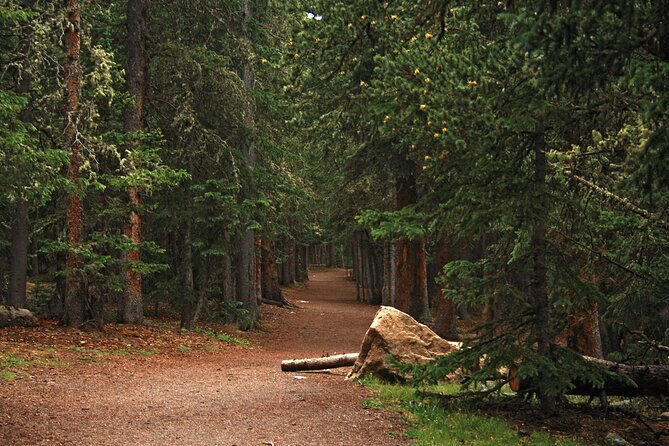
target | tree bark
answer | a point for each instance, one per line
(246, 277)
(542, 328)
(444, 308)
(327, 362)
(258, 271)
(18, 273)
(650, 380)
(227, 286)
(271, 290)
(130, 307)
(188, 310)
(74, 293)
(16, 296)
(302, 267)
(411, 289)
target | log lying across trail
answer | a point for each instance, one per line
(395, 333)
(326, 362)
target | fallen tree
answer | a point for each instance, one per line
(619, 380)
(325, 362)
(394, 333)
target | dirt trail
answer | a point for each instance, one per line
(233, 397)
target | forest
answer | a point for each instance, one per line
(498, 170)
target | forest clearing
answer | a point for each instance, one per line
(176, 178)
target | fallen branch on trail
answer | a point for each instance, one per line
(276, 303)
(326, 362)
(644, 380)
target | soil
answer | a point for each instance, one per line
(154, 385)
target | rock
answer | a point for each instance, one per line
(396, 333)
(664, 416)
(613, 439)
(16, 317)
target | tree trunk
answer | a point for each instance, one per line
(651, 380)
(74, 291)
(302, 268)
(188, 310)
(542, 328)
(16, 296)
(246, 286)
(130, 308)
(411, 292)
(444, 308)
(269, 274)
(327, 362)
(227, 286)
(246, 274)
(258, 272)
(292, 262)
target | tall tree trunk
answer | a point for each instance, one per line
(542, 327)
(130, 308)
(292, 261)
(19, 260)
(385, 292)
(16, 295)
(444, 308)
(227, 285)
(269, 273)
(246, 277)
(75, 291)
(258, 272)
(189, 306)
(302, 267)
(332, 260)
(411, 289)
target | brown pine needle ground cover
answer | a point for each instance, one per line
(154, 384)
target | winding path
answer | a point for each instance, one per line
(232, 397)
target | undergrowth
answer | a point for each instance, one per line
(434, 425)
(222, 336)
(11, 366)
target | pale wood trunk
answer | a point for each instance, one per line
(327, 362)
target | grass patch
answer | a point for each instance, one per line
(432, 425)
(8, 375)
(184, 348)
(222, 336)
(12, 366)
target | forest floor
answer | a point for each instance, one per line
(156, 385)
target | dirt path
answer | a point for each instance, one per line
(233, 397)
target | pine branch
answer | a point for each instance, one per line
(620, 201)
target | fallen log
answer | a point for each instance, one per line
(276, 303)
(326, 362)
(645, 380)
